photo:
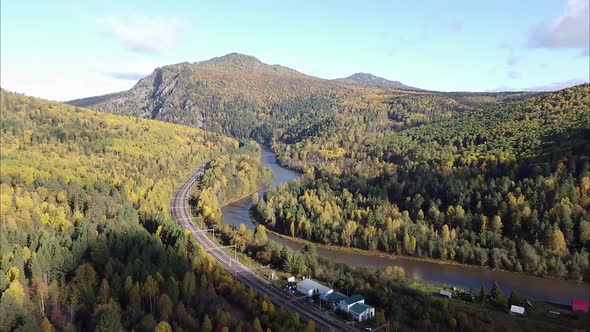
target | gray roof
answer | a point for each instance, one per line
(335, 297)
(353, 299)
(359, 308)
(309, 284)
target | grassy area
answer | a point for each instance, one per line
(536, 318)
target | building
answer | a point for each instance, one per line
(361, 312)
(309, 287)
(445, 293)
(348, 302)
(514, 309)
(334, 298)
(579, 305)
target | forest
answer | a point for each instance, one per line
(505, 186)
(86, 243)
(228, 178)
(406, 304)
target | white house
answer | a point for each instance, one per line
(514, 309)
(445, 293)
(362, 312)
(309, 287)
(347, 303)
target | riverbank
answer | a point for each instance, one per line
(426, 270)
(259, 188)
(385, 255)
(407, 294)
(381, 254)
(538, 317)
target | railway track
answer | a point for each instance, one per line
(180, 213)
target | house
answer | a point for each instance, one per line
(445, 293)
(309, 287)
(361, 312)
(334, 299)
(348, 302)
(579, 305)
(514, 309)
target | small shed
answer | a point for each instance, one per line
(445, 293)
(579, 305)
(514, 309)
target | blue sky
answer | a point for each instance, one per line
(70, 49)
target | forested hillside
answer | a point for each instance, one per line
(234, 94)
(85, 238)
(241, 96)
(238, 95)
(494, 179)
(228, 178)
(506, 187)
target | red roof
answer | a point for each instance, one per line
(579, 305)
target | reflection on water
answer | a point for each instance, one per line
(551, 290)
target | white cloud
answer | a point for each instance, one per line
(128, 76)
(546, 87)
(67, 81)
(130, 71)
(571, 29)
(143, 34)
(59, 85)
(557, 85)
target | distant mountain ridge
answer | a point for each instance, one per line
(184, 92)
(367, 79)
(241, 96)
(230, 75)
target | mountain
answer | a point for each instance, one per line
(239, 95)
(186, 88)
(227, 92)
(372, 80)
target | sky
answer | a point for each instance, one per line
(62, 50)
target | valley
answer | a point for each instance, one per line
(295, 166)
(377, 188)
(428, 271)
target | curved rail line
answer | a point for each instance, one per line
(179, 211)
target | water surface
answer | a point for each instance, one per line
(551, 290)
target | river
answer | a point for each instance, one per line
(544, 289)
